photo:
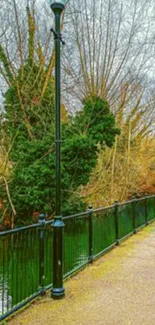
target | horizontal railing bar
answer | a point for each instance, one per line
(146, 197)
(82, 214)
(103, 208)
(20, 305)
(150, 221)
(104, 251)
(70, 273)
(126, 202)
(85, 213)
(126, 236)
(49, 286)
(141, 226)
(20, 229)
(49, 222)
(12, 231)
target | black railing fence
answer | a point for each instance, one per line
(26, 253)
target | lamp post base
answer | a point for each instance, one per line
(58, 293)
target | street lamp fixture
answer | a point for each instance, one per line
(57, 5)
(58, 226)
(60, 2)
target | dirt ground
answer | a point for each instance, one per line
(118, 289)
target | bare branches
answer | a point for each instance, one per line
(110, 41)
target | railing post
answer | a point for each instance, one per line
(134, 215)
(41, 253)
(90, 211)
(146, 211)
(116, 205)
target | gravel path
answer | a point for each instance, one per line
(118, 289)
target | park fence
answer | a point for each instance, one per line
(26, 252)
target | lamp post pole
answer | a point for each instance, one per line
(57, 291)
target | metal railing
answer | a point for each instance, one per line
(26, 252)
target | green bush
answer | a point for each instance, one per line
(32, 183)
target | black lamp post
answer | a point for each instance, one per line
(58, 290)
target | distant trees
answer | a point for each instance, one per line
(113, 57)
(110, 52)
(122, 172)
(107, 75)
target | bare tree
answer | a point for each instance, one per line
(109, 43)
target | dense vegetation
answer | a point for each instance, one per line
(32, 154)
(108, 147)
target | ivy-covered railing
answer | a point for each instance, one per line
(26, 253)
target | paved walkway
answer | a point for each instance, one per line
(118, 289)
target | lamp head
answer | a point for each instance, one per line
(60, 4)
